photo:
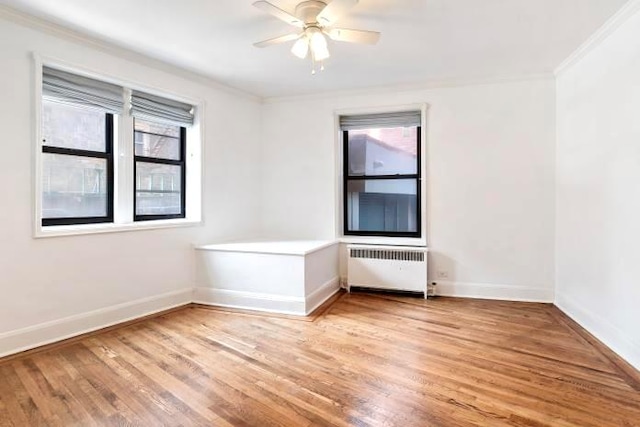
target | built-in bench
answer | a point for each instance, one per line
(293, 277)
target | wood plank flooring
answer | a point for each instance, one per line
(367, 360)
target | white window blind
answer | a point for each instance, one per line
(381, 120)
(71, 88)
(158, 109)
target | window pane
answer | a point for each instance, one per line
(158, 189)
(157, 140)
(382, 205)
(157, 128)
(68, 126)
(387, 151)
(73, 186)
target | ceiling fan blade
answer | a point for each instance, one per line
(277, 40)
(353, 36)
(265, 6)
(334, 10)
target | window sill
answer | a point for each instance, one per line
(80, 229)
(388, 241)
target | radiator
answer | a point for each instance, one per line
(401, 268)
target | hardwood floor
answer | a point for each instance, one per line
(368, 360)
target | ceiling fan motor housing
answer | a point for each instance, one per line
(307, 11)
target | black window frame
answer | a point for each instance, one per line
(108, 156)
(347, 178)
(183, 176)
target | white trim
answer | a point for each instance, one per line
(21, 18)
(250, 301)
(410, 88)
(23, 339)
(338, 164)
(602, 329)
(269, 303)
(36, 146)
(269, 247)
(494, 291)
(57, 330)
(609, 27)
(81, 229)
(19, 340)
(123, 176)
(318, 297)
(196, 165)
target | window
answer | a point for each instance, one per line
(159, 170)
(77, 148)
(77, 161)
(112, 155)
(382, 174)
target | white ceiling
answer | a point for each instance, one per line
(422, 40)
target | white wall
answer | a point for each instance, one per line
(598, 190)
(48, 279)
(490, 181)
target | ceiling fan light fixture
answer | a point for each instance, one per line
(301, 47)
(319, 46)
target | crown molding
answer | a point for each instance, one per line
(27, 20)
(424, 85)
(616, 21)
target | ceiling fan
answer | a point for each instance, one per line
(315, 20)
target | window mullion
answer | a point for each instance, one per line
(382, 177)
(123, 165)
(158, 160)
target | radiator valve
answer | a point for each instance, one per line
(431, 290)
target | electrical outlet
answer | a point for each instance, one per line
(442, 274)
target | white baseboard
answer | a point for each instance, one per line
(19, 340)
(602, 329)
(270, 303)
(250, 301)
(57, 330)
(320, 295)
(49, 332)
(494, 291)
